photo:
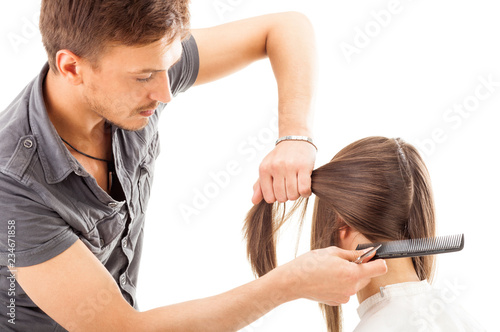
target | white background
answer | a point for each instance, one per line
(429, 56)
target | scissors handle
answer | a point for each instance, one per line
(360, 259)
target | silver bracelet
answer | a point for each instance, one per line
(296, 138)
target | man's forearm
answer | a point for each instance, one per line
(291, 49)
(229, 311)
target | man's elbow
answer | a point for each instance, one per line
(296, 19)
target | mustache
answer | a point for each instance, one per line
(153, 105)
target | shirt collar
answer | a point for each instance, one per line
(56, 160)
(390, 291)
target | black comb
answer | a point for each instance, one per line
(417, 247)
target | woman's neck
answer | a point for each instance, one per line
(398, 270)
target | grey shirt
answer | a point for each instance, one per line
(48, 200)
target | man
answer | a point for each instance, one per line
(78, 147)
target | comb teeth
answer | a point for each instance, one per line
(417, 247)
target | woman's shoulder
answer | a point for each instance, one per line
(413, 306)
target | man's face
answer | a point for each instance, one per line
(130, 82)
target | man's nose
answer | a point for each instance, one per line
(161, 90)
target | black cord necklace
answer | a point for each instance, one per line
(86, 155)
(111, 165)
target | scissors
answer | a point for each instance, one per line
(360, 259)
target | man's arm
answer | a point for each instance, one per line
(288, 40)
(77, 291)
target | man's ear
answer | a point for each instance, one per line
(69, 66)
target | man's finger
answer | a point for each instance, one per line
(373, 269)
(292, 191)
(266, 186)
(304, 183)
(332, 303)
(257, 193)
(279, 189)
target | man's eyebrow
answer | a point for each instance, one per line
(146, 70)
(150, 70)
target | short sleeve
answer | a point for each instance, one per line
(30, 232)
(184, 73)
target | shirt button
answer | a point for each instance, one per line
(124, 243)
(113, 205)
(101, 241)
(28, 144)
(123, 279)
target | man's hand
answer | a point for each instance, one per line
(285, 173)
(329, 275)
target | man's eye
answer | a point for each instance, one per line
(144, 80)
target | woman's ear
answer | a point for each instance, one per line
(347, 237)
(343, 230)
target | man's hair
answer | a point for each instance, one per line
(87, 27)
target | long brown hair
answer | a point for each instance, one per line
(376, 185)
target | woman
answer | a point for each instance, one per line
(375, 189)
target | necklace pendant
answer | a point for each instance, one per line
(110, 181)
